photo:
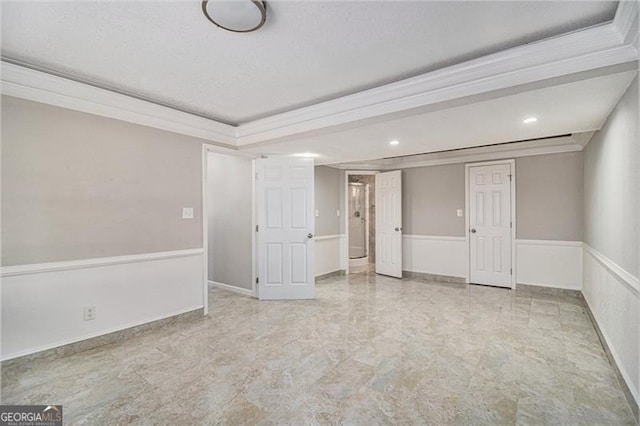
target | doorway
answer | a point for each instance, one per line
(228, 221)
(490, 199)
(373, 226)
(361, 222)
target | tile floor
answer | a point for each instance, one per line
(369, 350)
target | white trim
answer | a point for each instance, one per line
(583, 50)
(626, 14)
(328, 237)
(560, 243)
(205, 231)
(582, 138)
(98, 334)
(477, 154)
(512, 163)
(229, 287)
(620, 273)
(254, 235)
(36, 268)
(588, 49)
(38, 86)
(433, 237)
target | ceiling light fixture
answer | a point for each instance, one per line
(529, 120)
(394, 142)
(238, 16)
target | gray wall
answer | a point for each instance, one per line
(550, 194)
(76, 186)
(611, 185)
(549, 191)
(229, 201)
(327, 198)
(430, 198)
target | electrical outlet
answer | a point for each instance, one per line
(187, 212)
(89, 313)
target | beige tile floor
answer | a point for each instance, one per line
(369, 350)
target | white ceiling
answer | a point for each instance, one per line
(307, 52)
(569, 108)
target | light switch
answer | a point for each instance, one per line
(459, 212)
(187, 212)
(338, 213)
(317, 213)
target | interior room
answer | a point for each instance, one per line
(265, 212)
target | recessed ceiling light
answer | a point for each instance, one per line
(529, 120)
(239, 16)
(394, 142)
(306, 155)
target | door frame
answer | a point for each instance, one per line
(467, 167)
(206, 149)
(345, 213)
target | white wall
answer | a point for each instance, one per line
(549, 263)
(612, 233)
(432, 254)
(330, 250)
(546, 263)
(43, 304)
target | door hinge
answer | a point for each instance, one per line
(257, 228)
(257, 280)
(511, 271)
(510, 177)
(510, 224)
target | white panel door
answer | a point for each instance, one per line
(389, 223)
(490, 224)
(285, 206)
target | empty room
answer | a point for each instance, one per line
(320, 212)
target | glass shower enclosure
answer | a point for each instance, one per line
(358, 217)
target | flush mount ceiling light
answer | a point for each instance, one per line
(529, 120)
(239, 16)
(394, 142)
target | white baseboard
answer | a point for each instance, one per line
(43, 307)
(244, 291)
(613, 297)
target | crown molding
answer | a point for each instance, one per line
(626, 21)
(38, 86)
(594, 48)
(583, 138)
(584, 50)
(484, 153)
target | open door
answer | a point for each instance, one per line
(389, 223)
(285, 206)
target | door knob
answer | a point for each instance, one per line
(309, 235)
(397, 229)
(473, 231)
